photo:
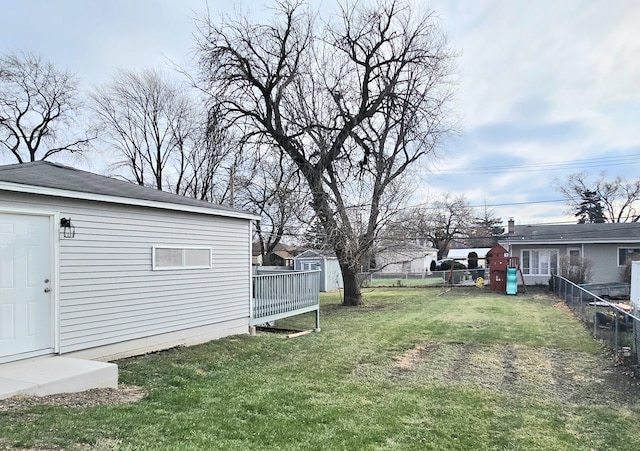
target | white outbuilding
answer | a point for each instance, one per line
(96, 268)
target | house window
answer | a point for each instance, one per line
(574, 257)
(181, 257)
(627, 254)
(539, 262)
(406, 266)
(310, 266)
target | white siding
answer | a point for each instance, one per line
(108, 292)
(394, 262)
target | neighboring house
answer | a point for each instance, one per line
(407, 258)
(282, 255)
(607, 246)
(462, 254)
(93, 267)
(326, 262)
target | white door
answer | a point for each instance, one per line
(25, 286)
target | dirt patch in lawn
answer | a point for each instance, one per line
(412, 358)
(89, 398)
(519, 371)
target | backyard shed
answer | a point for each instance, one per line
(326, 262)
(93, 267)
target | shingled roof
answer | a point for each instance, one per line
(65, 181)
(574, 233)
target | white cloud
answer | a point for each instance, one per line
(539, 81)
(527, 68)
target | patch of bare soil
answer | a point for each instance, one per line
(90, 398)
(520, 371)
(410, 359)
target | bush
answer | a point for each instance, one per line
(445, 265)
(576, 271)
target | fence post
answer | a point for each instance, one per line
(595, 318)
(571, 293)
(581, 300)
(636, 334)
(317, 329)
(617, 335)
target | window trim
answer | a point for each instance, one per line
(618, 255)
(155, 267)
(550, 251)
(310, 266)
(574, 249)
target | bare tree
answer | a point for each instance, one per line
(213, 162)
(353, 104)
(276, 192)
(439, 222)
(152, 124)
(607, 200)
(39, 104)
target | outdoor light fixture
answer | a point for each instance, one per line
(69, 231)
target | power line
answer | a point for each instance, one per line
(508, 204)
(572, 163)
(545, 166)
(520, 203)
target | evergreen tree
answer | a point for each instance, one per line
(315, 237)
(486, 229)
(590, 209)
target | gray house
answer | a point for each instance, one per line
(607, 246)
(326, 262)
(97, 268)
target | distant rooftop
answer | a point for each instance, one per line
(317, 253)
(601, 232)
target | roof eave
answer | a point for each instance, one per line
(32, 189)
(572, 241)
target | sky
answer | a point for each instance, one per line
(544, 89)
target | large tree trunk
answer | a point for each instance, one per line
(352, 294)
(339, 238)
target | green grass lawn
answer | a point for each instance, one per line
(414, 369)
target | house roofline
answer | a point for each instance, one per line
(68, 194)
(574, 241)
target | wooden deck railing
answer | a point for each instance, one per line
(277, 296)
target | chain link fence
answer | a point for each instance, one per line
(605, 310)
(459, 277)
